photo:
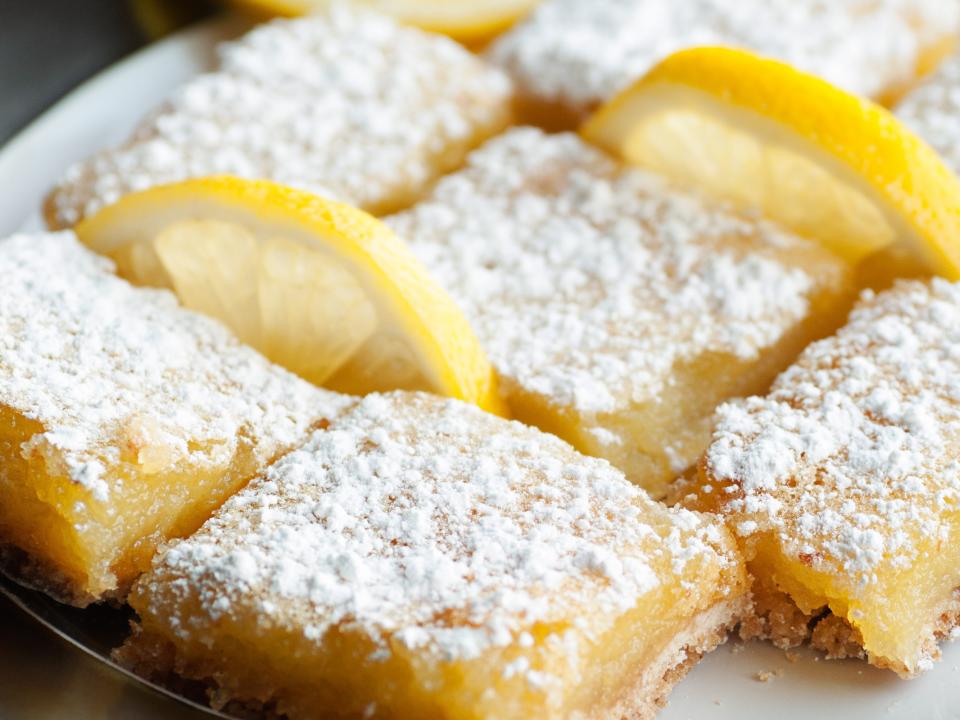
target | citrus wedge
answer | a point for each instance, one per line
(470, 21)
(762, 135)
(317, 286)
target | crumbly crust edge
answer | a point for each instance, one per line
(838, 639)
(37, 574)
(154, 658)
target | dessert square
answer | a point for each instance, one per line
(345, 103)
(617, 310)
(569, 56)
(124, 419)
(933, 111)
(421, 558)
(843, 483)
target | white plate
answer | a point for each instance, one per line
(721, 687)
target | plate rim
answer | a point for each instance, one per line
(27, 142)
(202, 37)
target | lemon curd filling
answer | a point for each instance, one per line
(843, 485)
(124, 419)
(617, 310)
(421, 558)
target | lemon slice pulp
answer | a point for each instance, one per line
(823, 163)
(319, 287)
(470, 21)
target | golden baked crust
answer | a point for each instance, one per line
(155, 658)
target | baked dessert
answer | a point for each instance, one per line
(617, 310)
(124, 419)
(570, 56)
(345, 103)
(421, 558)
(843, 483)
(933, 111)
(319, 287)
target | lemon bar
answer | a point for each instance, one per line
(124, 419)
(421, 558)
(569, 56)
(933, 111)
(843, 484)
(618, 311)
(346, 103)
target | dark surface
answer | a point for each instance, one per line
(30, 648)
(45, 678)
(48, 47)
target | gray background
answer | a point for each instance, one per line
(48, 47)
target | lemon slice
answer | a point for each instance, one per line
(317, 286)
(470, 21)
(758, 133)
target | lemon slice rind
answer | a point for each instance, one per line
(414, 315)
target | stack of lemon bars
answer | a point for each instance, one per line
(576, 407)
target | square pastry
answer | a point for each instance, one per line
(345, 103)
(421, 558)
(618, 310)
(124, 419)
(843, 484)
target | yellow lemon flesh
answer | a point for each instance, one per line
(317, 286)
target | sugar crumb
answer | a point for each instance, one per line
(851, 458)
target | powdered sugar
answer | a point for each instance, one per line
(933, 111)
(345, 103)
(427, 522)
(112, 373)
(581, 53)
(852, 456)
(587, 283)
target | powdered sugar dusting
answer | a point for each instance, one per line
(113, 373)
(853, 455)
(933, 111)
(587, 282)
(346, 103)
(427, 522)
(581, 53)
